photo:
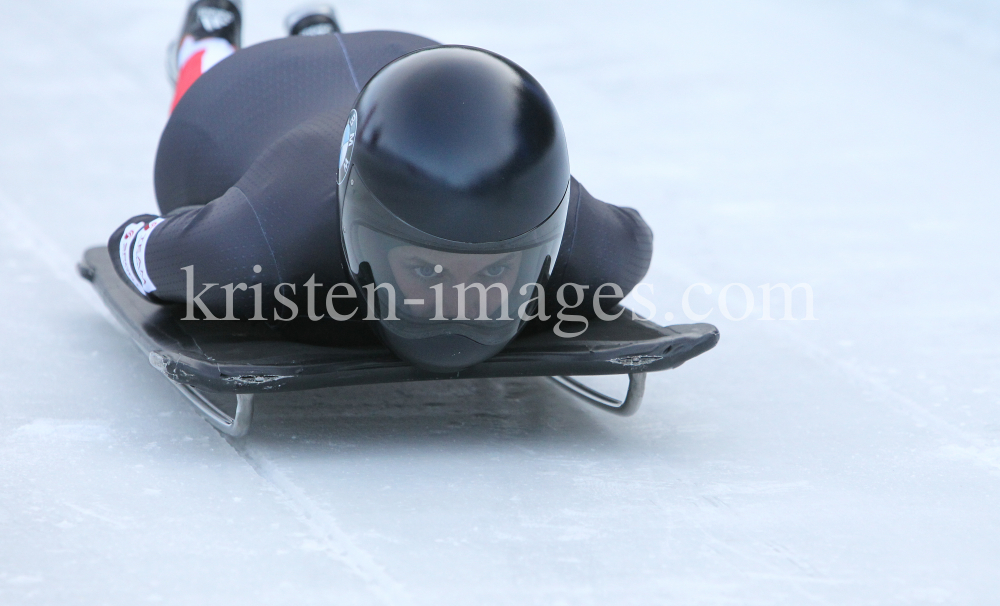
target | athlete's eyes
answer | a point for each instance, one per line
(495, 271)
(424, 271)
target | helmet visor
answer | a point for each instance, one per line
(426, 286)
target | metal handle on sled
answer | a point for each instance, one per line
(236, 426)
(636, 389)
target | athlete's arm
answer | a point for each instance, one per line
(278, 224)
(123, 250)
(219, 243)
(602, 244)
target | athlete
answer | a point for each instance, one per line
(372, 175)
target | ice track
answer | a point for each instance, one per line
(850, 460)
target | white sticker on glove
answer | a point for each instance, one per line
(139, 256)
(123, 249)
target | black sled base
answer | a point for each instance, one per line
(244, 357)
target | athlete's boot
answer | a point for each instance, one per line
(316, 20)
(218, 20)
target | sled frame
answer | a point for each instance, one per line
(204, 362)
(626, 408)
(238, 425)
(235, 426)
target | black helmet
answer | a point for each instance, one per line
(454, 185)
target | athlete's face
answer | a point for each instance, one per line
(417, 269)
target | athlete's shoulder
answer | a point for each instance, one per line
(389, 37)
(361, 53)
(380, 42)
(368, 52)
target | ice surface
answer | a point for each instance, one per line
(850, 460)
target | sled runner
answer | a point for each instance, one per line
(244, 358)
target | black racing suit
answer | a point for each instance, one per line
(246, 175)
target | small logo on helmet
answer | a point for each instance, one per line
(347, 146)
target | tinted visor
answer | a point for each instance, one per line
(427, 286)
